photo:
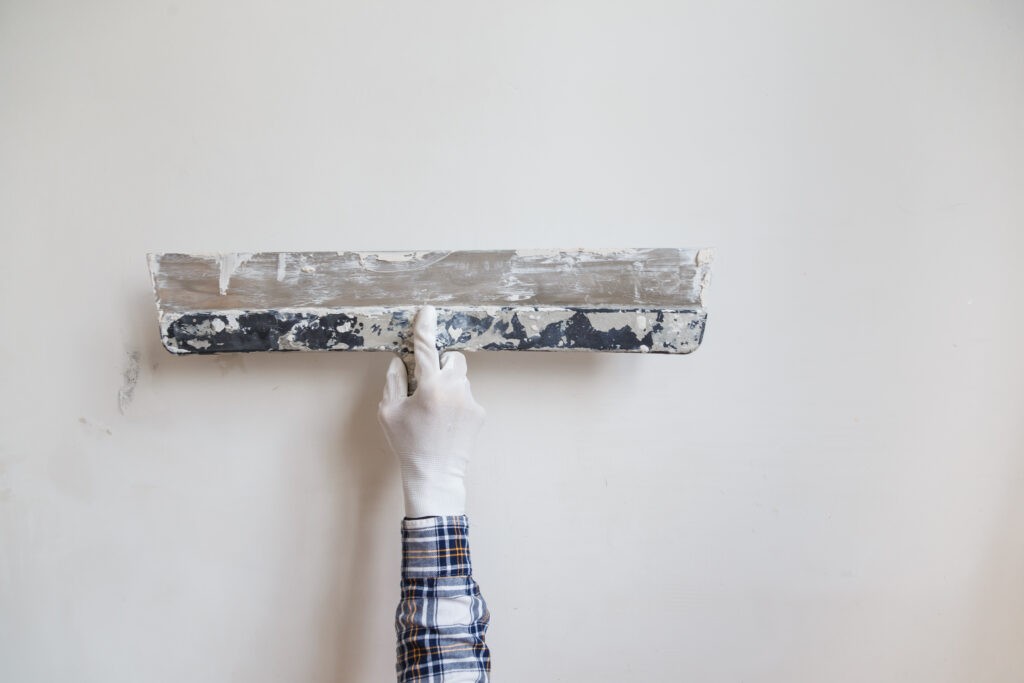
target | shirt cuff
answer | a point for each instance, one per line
(435, 547)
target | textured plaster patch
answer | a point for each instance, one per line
(130, 377)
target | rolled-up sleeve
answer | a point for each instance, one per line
(442, 618)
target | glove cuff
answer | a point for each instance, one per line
(434, 496)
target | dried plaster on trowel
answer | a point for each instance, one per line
(468, 328)
(229, 263)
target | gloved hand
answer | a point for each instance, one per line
(433, 432)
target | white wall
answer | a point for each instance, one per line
(829, 490)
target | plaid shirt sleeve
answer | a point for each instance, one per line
(442, 617)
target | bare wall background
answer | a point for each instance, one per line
(829, 490)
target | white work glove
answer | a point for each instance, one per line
(433, 432)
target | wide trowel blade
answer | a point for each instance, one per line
(624, 300)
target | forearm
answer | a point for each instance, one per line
(442, 618)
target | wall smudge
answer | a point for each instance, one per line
(95, 427)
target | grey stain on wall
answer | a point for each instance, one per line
(93, 427)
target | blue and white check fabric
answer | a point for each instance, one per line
(442, 617)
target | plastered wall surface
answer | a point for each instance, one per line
(828, 490)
